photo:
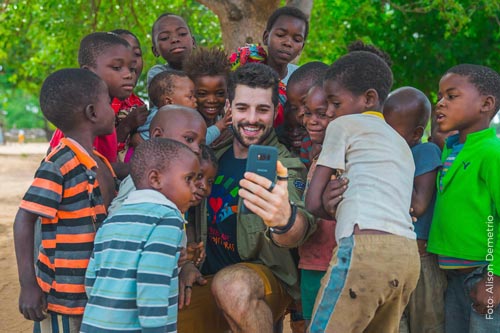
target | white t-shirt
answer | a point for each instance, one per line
(380, 168)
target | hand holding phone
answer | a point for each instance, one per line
(262, 161)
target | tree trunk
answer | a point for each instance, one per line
(244, 21)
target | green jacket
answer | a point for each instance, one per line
(466, 221)
(253, 240)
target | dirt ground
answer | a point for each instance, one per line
(17, 166)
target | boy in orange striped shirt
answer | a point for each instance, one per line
(70, 193)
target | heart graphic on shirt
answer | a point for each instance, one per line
(215, 203)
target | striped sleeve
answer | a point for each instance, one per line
(90, 276)
(157, 275)
(45, 193)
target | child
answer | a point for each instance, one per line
(111, 58)
(407, 110)
(298, 85)
(172, 40)
(172, 122)
(172, 87)
(376, 264)
(124, 107)
(285, 37)
(169, 87)
(70, 193)
(294, 131)
(209, 69)
(316, 253)
(131, 280)
(464, 230)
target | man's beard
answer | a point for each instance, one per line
(239, 137)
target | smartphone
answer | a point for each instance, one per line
(262, 161)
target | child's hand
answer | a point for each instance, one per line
(225, 121)
(183, 257)
(196, 253)
(332, 194)
(486, 294)
(32, 303)
(137, 117)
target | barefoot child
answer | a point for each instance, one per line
(407, 110)
(71, 192)
(131, 280)
(376, 264)
(465, 227)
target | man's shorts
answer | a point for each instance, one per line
(203, 315)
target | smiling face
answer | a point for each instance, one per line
(285, 40)
(316, 117)
(211, 94)
(253, 115)
(172, 40)
(460, 106)
(117, 67)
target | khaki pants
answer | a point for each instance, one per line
(203, 315)
(425, 310)
(367, 285)
(58, 323)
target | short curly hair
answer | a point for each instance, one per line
(162, 85)
(67, 92)
(207, 62)
(255, 75)
(288, 11)
(485, 79)
(360, 46)
(310, 72)
(95, 44)
(155, 153)
(359, 71)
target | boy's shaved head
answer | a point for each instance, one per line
(66, 93)
(411, 104)
(156, 153)
(95, 44)
(168, 114)
(485, 79)
(162, 85)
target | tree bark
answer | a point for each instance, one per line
(244, 21)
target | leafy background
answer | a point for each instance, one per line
(424, 38)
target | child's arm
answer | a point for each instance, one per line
(32, 301)
(225, 121)
(324, 193)
(155, 272)
(424, 187)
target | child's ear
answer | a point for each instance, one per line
(168, 100)
(90, 113)
(265, 37)
(194, 42)
(154, 179)
(157, 132)
(488, 104)
(372, 101)
(155, 52)
(418, 133)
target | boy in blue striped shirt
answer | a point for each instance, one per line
(131, 280)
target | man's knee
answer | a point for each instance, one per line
(236, 287)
